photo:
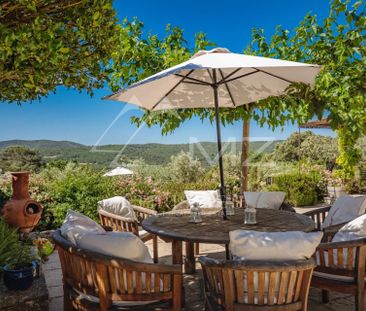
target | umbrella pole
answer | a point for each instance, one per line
(219, 146)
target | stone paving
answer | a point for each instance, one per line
(192, 283)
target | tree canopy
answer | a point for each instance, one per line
(20, 158)
(46, 43)
(309, 147)
(339, 44)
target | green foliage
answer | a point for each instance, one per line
(313, 148)
(79, 188)
(9, 243)
(349, 153)
(46, 43)
(20, 158)
(140, 55)
(21, 257)
(304, 189)
(184, 168)
(337, 43)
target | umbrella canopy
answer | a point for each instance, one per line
(119, 171)
(240, 79)
(213, 79)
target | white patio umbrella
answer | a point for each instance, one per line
(213, 79)
(119, 171)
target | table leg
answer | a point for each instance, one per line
(190, 262)
(177, 255)
(177, 258)
(227, 252)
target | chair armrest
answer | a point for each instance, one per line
(114, 216)
(318, 211)
(343, 244)
(181, 206)
(144, 210)
(318, 215)
(142, 213)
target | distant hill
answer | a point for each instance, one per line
(151, 153)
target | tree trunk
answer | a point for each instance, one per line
(245, 156)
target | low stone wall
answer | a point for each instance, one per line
(34, 298)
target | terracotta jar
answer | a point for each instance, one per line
(21, 211)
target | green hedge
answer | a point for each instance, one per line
(301, 189)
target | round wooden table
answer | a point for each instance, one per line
(175, 227)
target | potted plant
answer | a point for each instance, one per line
(9, 243)
(20, 268)
(17, 263)
(336, 186)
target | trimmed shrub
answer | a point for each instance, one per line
(301, 190)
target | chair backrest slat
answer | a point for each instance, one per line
(118, 223)
(234, 285)
(283, 287)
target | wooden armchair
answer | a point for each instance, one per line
(256, 285)
(318, 215)
(341, 268)
(93, 281)
(119, 223)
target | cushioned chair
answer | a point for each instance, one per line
(341, 268)
(119, 223)
(93, 281)
(256, 285)
(318, 216)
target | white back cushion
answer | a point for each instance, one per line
(205, 198)
(345, 209)
(355, 229)
(119, 206)
(76, 224)
(118, 244)
(289, 245)
(271, 200)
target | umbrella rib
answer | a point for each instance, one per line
(227, 88)
(241, 76)
(209, 73)
(192, 79)
(273, 75)
(172, 89)
(196, 83)
(229, 75)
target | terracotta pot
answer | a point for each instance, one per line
(21, 211)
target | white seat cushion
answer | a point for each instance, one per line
(290, 245)
(355, 229)
(119, 206)
(117, 244)
(205, 198)
(345, 209)
(76, 224)
(271, 200)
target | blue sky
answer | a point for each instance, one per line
(70, 115)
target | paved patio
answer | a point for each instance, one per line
(192, 283)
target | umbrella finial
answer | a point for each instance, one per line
(215, 50)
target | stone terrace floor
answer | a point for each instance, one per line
(192, 283)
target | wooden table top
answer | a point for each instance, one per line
(213, 229)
